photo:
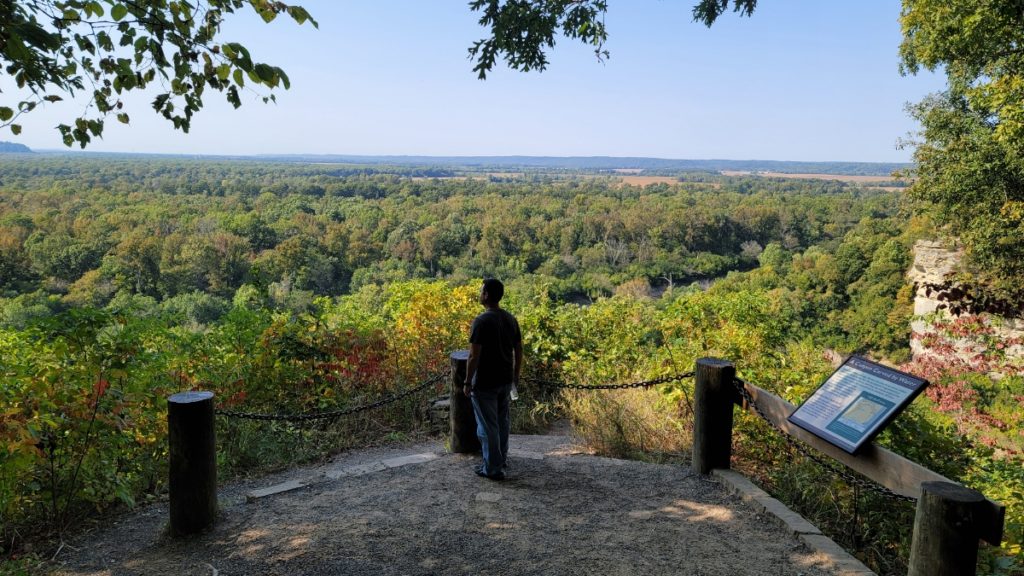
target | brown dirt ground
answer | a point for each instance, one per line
(568, 513)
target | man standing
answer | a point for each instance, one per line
(495, 360)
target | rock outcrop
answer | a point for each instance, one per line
(934, 263)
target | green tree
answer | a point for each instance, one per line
(61, 256)
(92, 289)
(970, 159)
(105, 48)
(774, 255)
(878, 317)
(15, 264)
(135, 263)
(195, 308)
(221, 261)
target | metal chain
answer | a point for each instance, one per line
(644, 384)
(334, 414)
(847, 476)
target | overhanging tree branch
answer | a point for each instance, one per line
(50, 48)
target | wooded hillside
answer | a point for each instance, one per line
(297, 288)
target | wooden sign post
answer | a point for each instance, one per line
(193, 462)
(713, 400)
(463, 422)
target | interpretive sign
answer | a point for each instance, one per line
(856, 402)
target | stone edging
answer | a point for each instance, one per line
(842, 561)
(365, 468)
(341, 472)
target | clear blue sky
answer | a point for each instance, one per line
(807, 80)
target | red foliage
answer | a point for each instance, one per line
(988, 420)
(235, 399)
(957, 356)
(98, 390)
(951, 397)
(968, 326)
(357, 363)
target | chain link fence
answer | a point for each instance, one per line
(853, 480)
(850, 478)
(553, 384)
(333, 414)
(426, 384)
(847, 476)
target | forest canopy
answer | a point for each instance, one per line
(94, 232)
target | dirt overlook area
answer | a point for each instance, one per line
(417, 510)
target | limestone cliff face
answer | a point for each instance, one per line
(934, 262)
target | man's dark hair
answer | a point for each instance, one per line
(495, 289)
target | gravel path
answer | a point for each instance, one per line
(560, 512)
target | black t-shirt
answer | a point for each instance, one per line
(497, 333)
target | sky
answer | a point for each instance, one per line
(799, 80)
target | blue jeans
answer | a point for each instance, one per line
(491, 408)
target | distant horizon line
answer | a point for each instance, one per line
(300, 155)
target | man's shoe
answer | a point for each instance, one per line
(480, 471)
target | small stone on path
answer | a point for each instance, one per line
(275, 489)
(412, 459)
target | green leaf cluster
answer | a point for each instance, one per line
(106, 48)
(522, 32)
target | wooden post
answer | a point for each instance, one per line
(193, 466)
(712, 414)
(460, 409)
(948, 523)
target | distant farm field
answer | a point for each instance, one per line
(627, 179)
(645, 180)
(809, 176)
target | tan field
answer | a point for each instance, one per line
(840, 177)
(645, 180)
(627, 180)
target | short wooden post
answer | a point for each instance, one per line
(947, 526)
(460, 409)
(193, 462)
(712, 414)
